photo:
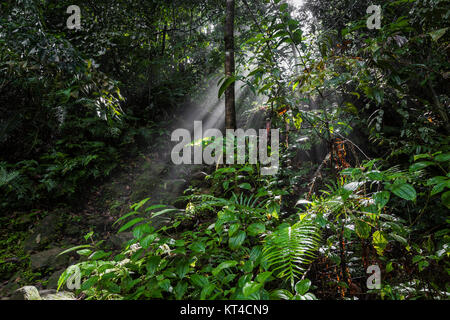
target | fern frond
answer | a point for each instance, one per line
(289, 250)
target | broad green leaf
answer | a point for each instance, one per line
(130, 224)
(422, 156)
(236, 241)
(228, 82)
(182, 268)
(262, 277)
(199, 280)
(224, 265)
(443, 157)
(375, 175)
(438, 188)
(89, 283)
(437, 34)
(141, 230)
(362, 229)
(233, 229)
(206, 292)
(245, 186)
(381, 198)
(148, 240)
(379, 242)
(153, 264)
(420, 165)
(256, 228)
(302, 286)
(251, 288)
(281, 294)
(399, 238)
(435, 180)
(198, 247)
(404, 191)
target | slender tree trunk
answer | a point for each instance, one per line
(230, 112)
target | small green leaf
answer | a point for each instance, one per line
(435, 180)
(84, 252)
(437, 34)
(245, 186)
(251, 288)
(420, 165)
(443, 157)
(438, 188)
(379, 242)
(199, 280)
(89, 283)
(362, 229)
(302, 286)
(256, 228)
(281, 294)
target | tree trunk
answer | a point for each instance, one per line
(230, 112)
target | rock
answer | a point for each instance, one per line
(45, 232)
(62, 295)
(32, 293)
(175, 185)
(52, 282)
(155, 168)
(72, 230)
(47, 292)
(10, 287)
(118, 241)
(49, 258)
(26, 293)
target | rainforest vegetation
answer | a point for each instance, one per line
(93, 207)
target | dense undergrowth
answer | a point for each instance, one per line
(364, 175)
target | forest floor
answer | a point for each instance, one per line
(33, 241)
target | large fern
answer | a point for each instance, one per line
(289, 250)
